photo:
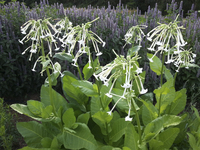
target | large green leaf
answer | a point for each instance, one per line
(156, 126)
(68, 118)
(63, 56)
(54, 75)
(55, 144)
(131, 137)
(46, 142)
(119, 127)
(35, 107)
(102, 119)
(105, 100)
(58, 100)
(23, 109)
(155, 144)
(193, 142)
(166, 94)
(167, 137)
(149, 112)
(168, 74)
(83, 118)
(33, 132)
(133, 50)
(86, 87)
(95, 105)
(172, 120)
(183, 126)
(156, 65)
(81, 138)
(179, 102)
(88, 72)
(72, 93)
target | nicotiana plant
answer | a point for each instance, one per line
(115, 111)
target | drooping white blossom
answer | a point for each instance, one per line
(81, 35)
(162, 35)
(126, 67)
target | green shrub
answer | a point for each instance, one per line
(9, 137)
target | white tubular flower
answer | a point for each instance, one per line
(142, 90)
(127, 79)
(161, 37)
(127, 118)
(110, 112)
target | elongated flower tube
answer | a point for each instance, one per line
(127, 118)
(161, 37)
(81, 35)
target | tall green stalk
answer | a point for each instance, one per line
(161, 82)
(175, 78)
(49, 77)
(79, 71)
(138, 121)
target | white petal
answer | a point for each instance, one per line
(99, 53)
(109, 95)
(143, 91)
(20, 41)
(89, 67)
(110, 112)
(139, 70)
(128, 118)
(150, 59)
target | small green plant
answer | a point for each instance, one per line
(115, 111)
(7, 129)
(194, 132)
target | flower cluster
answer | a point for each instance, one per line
(134, 34)
(161, 38)
(83, 36)
(38, 30)
(184, 59)
(121, 66)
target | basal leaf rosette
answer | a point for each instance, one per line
(127, 68)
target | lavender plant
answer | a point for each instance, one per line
(115, 111)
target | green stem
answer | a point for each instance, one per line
(159, 105)
(161, 83)
(49, 77)
(161, 78)
(138, 122)
(175, 78)
(79, 72)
